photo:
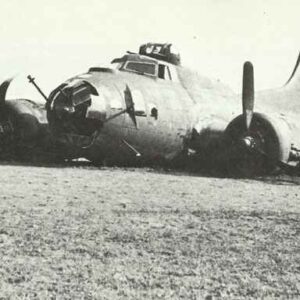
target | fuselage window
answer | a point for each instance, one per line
(173, 73)
(142, 68)
(164, 72)
(154, 113)
(168, 74)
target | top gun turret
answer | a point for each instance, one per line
(165, 52)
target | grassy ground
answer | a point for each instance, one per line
(85, 233)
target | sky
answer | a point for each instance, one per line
(56, 39)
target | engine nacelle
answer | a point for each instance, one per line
(259, 149)
(24, 131)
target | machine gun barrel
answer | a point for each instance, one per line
(31, 80)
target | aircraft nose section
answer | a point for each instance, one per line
(76, 108)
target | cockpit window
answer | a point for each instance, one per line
(141, 67)
(164, 72)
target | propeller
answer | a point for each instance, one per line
(3, 89)
(248, 106)
(248, 93)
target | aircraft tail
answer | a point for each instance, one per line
(294, 79)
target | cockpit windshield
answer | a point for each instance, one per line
(141, 68)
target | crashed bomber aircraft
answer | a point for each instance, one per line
(148, 107)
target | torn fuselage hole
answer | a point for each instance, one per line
(70, 108)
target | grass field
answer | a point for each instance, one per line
(88, 233)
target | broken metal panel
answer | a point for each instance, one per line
(25, 106)
(81, 95)
(97, 109)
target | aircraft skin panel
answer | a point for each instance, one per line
(211, 95)
(24, 106)
(153, 137)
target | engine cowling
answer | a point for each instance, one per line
(23, 130)
(259, 149)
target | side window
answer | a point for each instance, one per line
(173, 73)
(168, 74)
(164, 72)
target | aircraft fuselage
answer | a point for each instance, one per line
(166, 112)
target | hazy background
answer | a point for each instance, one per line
(53, 40)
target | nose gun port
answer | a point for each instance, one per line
(72, 109)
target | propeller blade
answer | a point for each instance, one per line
(248, 93)
(130, 104)
(3, 89)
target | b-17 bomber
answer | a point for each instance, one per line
(147, 107)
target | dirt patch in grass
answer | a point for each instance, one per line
(88, 233)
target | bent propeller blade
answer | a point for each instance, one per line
(130, 104)
(3, 89)
(248, 93)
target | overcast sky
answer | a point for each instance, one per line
(53, 40)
